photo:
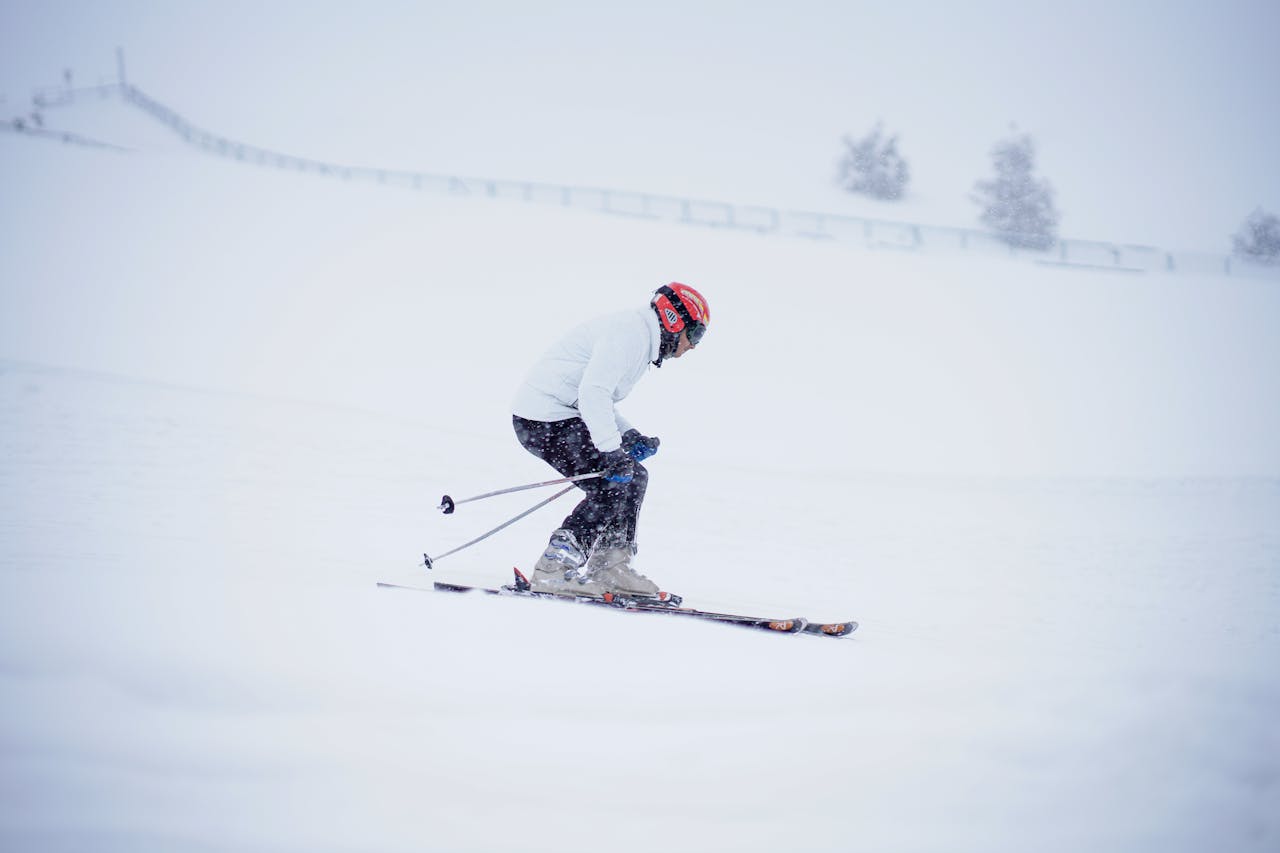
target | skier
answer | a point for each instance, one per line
(564, 414)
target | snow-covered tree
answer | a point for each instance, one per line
(1016, 204)
(1259, 238)
(872, 166)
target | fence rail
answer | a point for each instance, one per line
(869, 233)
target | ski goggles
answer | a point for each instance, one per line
(695, 331)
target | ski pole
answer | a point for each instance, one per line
(430, 562)
(448, 504)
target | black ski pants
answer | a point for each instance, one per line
(609, 508)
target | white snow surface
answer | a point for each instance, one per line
(231, 398)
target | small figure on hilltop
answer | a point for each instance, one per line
(564, 414)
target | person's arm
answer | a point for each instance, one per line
(609, 364)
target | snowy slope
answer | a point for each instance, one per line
(371, 296)
(231, 398)
(196, 656)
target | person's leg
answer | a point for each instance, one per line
(629, 517)
(609, 561)
(607, 507)
(602, 526)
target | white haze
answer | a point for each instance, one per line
(1154, 120)
(231, 397)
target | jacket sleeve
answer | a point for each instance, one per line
(610, 362)
(623, 424)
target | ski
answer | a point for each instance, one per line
(669, 604)
(785, 626)
(831, 629)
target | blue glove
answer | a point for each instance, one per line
(618, 466)
(640, 447)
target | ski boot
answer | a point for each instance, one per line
(559, 569)
(610, 568)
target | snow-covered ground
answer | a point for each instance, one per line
(230, 399)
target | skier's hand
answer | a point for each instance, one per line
(618, 466)
(640, 447)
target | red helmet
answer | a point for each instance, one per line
(682, 308)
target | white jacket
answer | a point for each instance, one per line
(586, 372)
